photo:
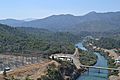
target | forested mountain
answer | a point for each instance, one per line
(91, 22)
(30, 40)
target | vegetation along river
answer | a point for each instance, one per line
(94, 74)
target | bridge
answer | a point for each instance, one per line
(96, 67)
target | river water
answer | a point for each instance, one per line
(94, 74)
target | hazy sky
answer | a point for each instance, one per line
(21, 9)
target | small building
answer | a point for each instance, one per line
(97, 39)
(62, 57)
(117, 61)
(94, 47)
(90, 44)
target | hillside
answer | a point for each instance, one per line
(29, 40)
(91, 22)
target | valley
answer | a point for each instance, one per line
(26, 47)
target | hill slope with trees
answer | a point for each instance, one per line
(29, 40)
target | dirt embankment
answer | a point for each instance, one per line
(112, 53)
(34, 71)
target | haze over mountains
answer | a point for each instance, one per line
(91, 22)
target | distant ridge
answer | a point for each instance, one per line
(91, 22)
(11, 22)
(29, 19)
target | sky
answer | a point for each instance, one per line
(22, 9)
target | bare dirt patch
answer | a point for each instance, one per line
(34, 71)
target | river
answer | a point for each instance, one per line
(93, 73)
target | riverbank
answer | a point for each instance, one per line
(111, 56)
(93, 74)
(86, 57)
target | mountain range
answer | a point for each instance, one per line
(91, 22)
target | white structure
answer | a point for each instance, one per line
(63, 57)
(117, 61)
(69, 57)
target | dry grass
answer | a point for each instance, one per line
(34, 71)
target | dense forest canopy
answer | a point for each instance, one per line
(108, 42)
(35, 40)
